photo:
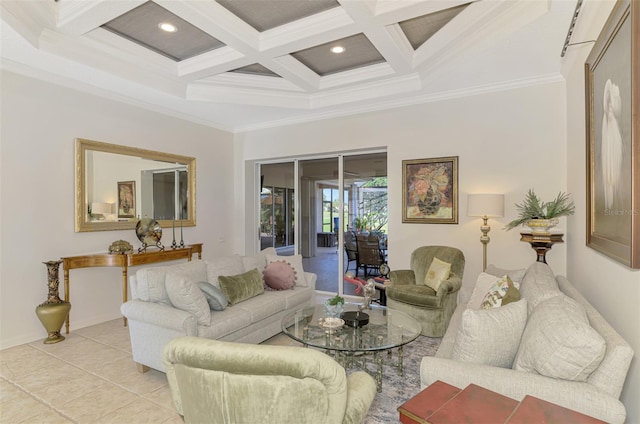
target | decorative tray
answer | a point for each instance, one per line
(355, 318)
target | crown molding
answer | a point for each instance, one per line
(110, 94)
(408, 101)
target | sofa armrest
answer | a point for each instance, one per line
(160, 315)
(578, 396)
(361, 390)
(403, 277)
(311, 279)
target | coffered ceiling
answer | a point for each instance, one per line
(242, 64)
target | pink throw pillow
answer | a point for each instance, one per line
(279, 275)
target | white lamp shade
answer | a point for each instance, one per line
(101, 208)
(485, 205)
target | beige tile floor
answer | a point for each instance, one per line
(88, 378)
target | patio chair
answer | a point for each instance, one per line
(351, 249)
(370, 255)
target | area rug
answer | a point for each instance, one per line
(396, 389)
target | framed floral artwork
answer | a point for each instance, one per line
(126, 199)
(430, 190)
(612, 78)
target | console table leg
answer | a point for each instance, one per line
(125, 289)
(66, 296)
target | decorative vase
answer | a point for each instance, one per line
(542, 226)
(333, 310)
(53, 312)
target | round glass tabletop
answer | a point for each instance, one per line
(386, 329)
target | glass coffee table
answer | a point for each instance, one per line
(386, 331)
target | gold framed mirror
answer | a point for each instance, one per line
(117, 185)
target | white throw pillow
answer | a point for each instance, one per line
(296, 262)
(483, 283)
(438, 272)
(151, 280)
(187, 296)
(490, 336)
(223, 265)
(503, 292)
(559, 342)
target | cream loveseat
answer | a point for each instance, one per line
(166, 303)
(551, 344)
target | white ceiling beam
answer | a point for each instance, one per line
(390, 43)
(28, 18)
(78, 17)
(392, 11)
(290, 68)
(478, 26)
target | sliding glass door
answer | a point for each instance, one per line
(332, 196)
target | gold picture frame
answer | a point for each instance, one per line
(612, 82)
(126, 199)
(430, 190)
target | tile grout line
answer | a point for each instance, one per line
(38, 399)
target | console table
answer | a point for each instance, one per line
(124, 261)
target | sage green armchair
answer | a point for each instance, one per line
(213, 381)
(432, 309)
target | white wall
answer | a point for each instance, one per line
(612, 288)
(507, 142)
(39, 123)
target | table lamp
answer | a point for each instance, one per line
(485, 206)
(99, 210)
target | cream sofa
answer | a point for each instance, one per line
(595, 393)
(154, 320)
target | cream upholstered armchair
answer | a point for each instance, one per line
(408, 293)
(213, 381)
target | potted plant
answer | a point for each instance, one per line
(541, 216)
(333, 306)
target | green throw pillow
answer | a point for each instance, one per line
(241, 287)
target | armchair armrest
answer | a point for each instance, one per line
(451, 285)
(361, 389)
(578, 396)
(160, 315)
(403, 277)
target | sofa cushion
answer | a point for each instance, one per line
(224, 265)
(279, 275)
(215, 298)
(296, 262)
(558, 341)
(151, 280)
(186, 295)
(501, 293)
(438, 272)
(516, 275)
(242, 286)
(538, 284)
(490, 336)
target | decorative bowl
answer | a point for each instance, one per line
(331, 323)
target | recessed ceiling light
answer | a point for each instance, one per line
(337, 49)
(166, 26)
